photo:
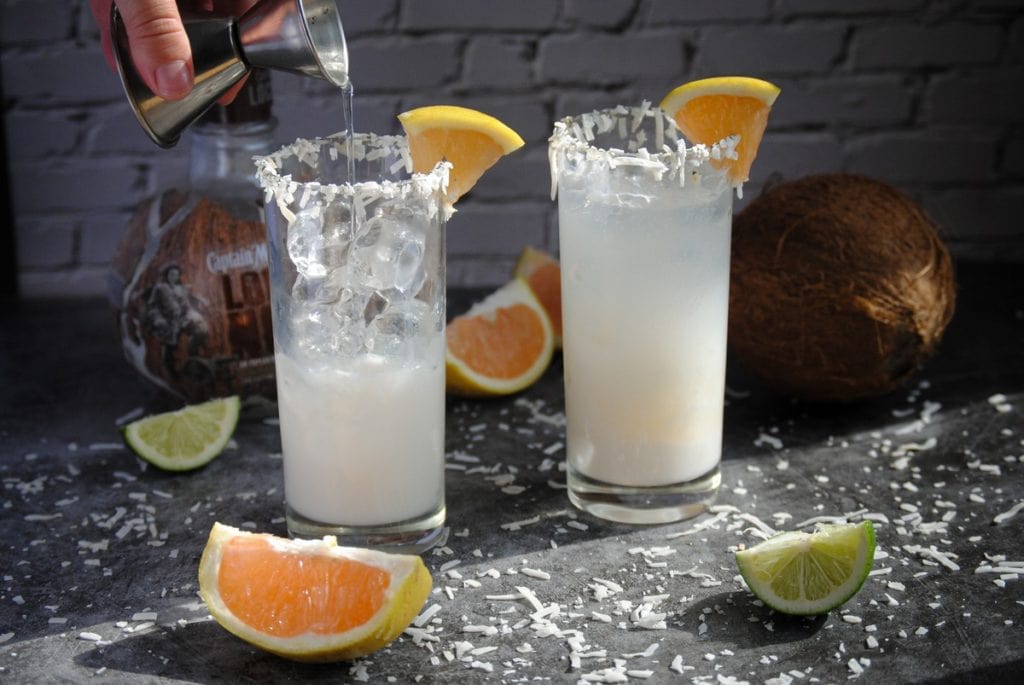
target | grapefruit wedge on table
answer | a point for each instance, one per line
(711, 109)
(309, 600)
(501, 345)
(471, 140)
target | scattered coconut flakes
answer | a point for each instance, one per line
(814, 520)
(426, 615)
(910, 448)
(537, 415)
(761, 525)
(703, 525)
(770, 440)
(535, 573)
(782, 679)
(1008, 567)
(531, 597)
(610, 585)
(999, 401)
(944, 558)
(449, 565)
(1009, 513)
(480, 651)
(421, 635)
(607, 675)
(43, 517)
(101, 446)
(651, 649)
(639, 673)
(129, 417)
(516, 525)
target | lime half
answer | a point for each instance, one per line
(185, 439)
(810, 573)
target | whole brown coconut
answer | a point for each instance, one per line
(840, 287)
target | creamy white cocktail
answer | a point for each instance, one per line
(644, 231)
(357, 272)
(332, 419)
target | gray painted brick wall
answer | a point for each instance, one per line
(926, 94)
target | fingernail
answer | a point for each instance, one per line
(173, 80)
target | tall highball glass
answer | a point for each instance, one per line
(644, 229)
(357, 285)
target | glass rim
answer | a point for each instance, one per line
(672, 152)
(366, 147)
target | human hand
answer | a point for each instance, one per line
(159, 45)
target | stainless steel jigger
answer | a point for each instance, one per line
(300, 36)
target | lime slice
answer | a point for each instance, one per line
(185, 439)
(810, 573)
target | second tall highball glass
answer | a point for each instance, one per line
(644, 230)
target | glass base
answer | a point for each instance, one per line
(413, 536)
(640, 504)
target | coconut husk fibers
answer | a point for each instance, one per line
(840, 287)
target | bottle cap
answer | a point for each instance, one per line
(253, 102)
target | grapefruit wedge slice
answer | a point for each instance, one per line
(309, 600)
(711, 109)
(501, 345)
(470, 140)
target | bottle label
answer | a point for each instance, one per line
(195, 313)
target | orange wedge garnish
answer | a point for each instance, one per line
(711, 109)
(472, 141)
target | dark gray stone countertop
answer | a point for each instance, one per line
(98, 554)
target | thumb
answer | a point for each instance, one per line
(159, 46)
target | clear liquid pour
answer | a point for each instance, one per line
(347, 92)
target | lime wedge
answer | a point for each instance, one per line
(185, 439)
(810, 573)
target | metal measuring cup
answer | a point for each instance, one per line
(299, 36)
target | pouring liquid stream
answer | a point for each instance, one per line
(347, 92)
(347, 115)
